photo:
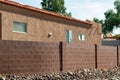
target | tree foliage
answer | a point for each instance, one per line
(117, 36)
(55, 6)
(102, 23)
(112, 18)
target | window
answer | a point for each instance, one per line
(69, 36)
(19, 27)
(81, 37)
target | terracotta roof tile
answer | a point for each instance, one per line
(8, 2)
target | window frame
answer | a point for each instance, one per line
(69, 36)
(81, 37)
(25, 31)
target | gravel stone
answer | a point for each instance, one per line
(80, 74)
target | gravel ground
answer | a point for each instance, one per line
(81, 74)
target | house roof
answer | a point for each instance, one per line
(12, 3)
(113, 37)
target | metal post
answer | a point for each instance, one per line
(96, 64)
(61, 55)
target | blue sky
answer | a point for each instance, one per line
(81, 9)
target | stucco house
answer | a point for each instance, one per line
(27, 23)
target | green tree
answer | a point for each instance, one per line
(112, 18)
(55, 6)
(97, 20)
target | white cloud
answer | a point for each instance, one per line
(89, 9)
(116, 31)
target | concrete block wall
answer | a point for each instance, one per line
(78, 56)
(107, 56)
(46, 57)
(28, 57)
(118, 55)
